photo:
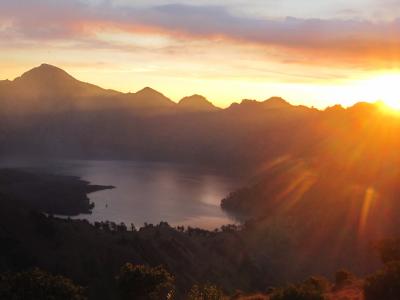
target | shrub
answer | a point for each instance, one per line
(384, 284)
(38, 285)
(311, 289)
(143, 282)
(205, 292)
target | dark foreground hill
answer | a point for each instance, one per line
(338, 195)
(92, 254)
(251, 257)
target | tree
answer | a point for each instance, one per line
(311, 289)
(38, 285)
(145, 283)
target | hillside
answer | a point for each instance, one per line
(92, 254)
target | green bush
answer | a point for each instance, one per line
(143, 282)
(205, 292)
(384, 284)
(38, 285)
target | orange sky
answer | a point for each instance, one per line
(307, 52)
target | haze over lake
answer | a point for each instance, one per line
(147, 192)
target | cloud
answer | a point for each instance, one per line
(308, 41)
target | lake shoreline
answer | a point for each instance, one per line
(51, 193)
(142, 192)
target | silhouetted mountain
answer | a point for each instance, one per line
(276, 102)
(44, 76)
(196, 103)
(151, 98)
(48, 89)
(273, 107)
(64, 117)
(335, 108)
(271, 103)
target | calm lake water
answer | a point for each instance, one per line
(149, 192)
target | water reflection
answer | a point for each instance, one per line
(151, 192)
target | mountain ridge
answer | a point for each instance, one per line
(49, 81)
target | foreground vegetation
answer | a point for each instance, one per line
(117, 261)
(155, 283)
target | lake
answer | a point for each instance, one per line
(148, 192)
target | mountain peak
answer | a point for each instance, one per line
(273, 102)
(276, 102)
(148, 91)
(335, 108)
(150, 97)
(48, 66)
(45, 72)
(196, 103)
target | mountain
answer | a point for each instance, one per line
(150, 98)
(47, 77)
(48, 89)
(47, 112)
(335, 181)
(196, 103)
(276, 104)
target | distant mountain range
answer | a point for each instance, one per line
(50, 89)
(46, 112)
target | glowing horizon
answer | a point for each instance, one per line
(338, 52)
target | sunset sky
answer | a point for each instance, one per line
(312, 52)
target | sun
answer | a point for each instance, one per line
(393, 104)
(386, 88)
